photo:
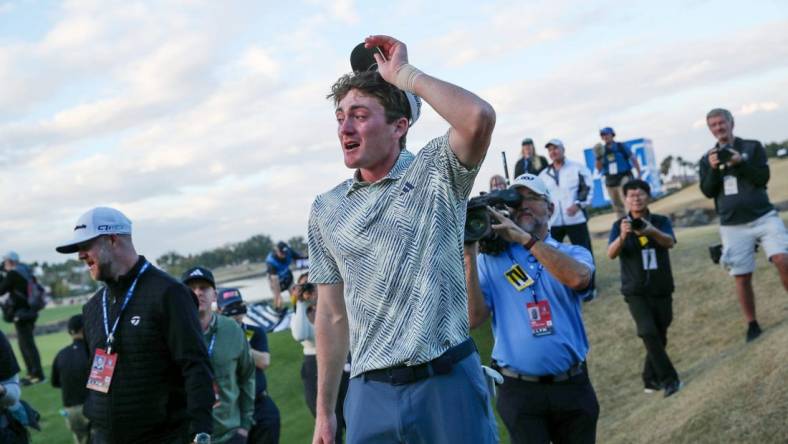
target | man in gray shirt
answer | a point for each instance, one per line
(386, 252)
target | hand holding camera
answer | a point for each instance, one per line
(726, 156)
(304, 292)
(507, 229)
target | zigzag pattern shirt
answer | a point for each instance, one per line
(396, 244)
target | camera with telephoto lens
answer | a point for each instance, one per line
(478, 222)
(637, 224)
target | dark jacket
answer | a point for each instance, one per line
(635, 279)
(17, 307)
(70, 371)
(535, 166)
(8, 365)
(752, 174)
(162, 386)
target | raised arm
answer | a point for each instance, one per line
(472, 119)
(332, 343)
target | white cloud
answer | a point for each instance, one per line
(206, 127)
(345, 10)
(750, 108)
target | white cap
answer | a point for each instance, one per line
(96, 222)
(555, 142)
(533, 183)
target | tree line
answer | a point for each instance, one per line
(688, 168)
(70, 278)
(251, 251)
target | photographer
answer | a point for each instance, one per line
(534, 289)
(642, 240)
(303, 330)
(278, 264)
(734, 173)
(615, 161)
(18, 310)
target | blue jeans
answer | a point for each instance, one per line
(450, 408)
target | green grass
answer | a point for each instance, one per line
(284, 384)
(47, 316)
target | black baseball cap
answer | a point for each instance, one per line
(75, 323)
(528, 140)
(202, 273)
(230, 302)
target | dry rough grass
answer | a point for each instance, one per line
(734, 392)
(691, 197)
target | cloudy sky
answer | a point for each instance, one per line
(206, 121)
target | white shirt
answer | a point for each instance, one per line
(563, 185)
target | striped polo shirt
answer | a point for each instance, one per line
(396, 244)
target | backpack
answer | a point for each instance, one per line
(36, 294)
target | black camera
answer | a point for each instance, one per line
(724, 154)
(477, 220)
(305, 288)
(715, 251)
(637, 224)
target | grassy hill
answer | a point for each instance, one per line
(691, 197)
(735, 392)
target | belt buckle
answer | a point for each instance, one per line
(401, 375)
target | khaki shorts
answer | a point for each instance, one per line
(738, 242)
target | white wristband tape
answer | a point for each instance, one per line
(406, 77)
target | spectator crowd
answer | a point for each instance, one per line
(393, 290)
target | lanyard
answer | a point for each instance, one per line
(538, 273)
(210, 346)
(111, 333)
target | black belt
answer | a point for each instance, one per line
(441, 365)
(575, 370)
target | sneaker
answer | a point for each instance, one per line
(30, 380)
(651, 387)
(673, 387)
(38, 380)
(753, 331)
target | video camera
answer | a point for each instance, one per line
(478, 225)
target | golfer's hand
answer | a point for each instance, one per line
(395, 53)
(325, 429)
